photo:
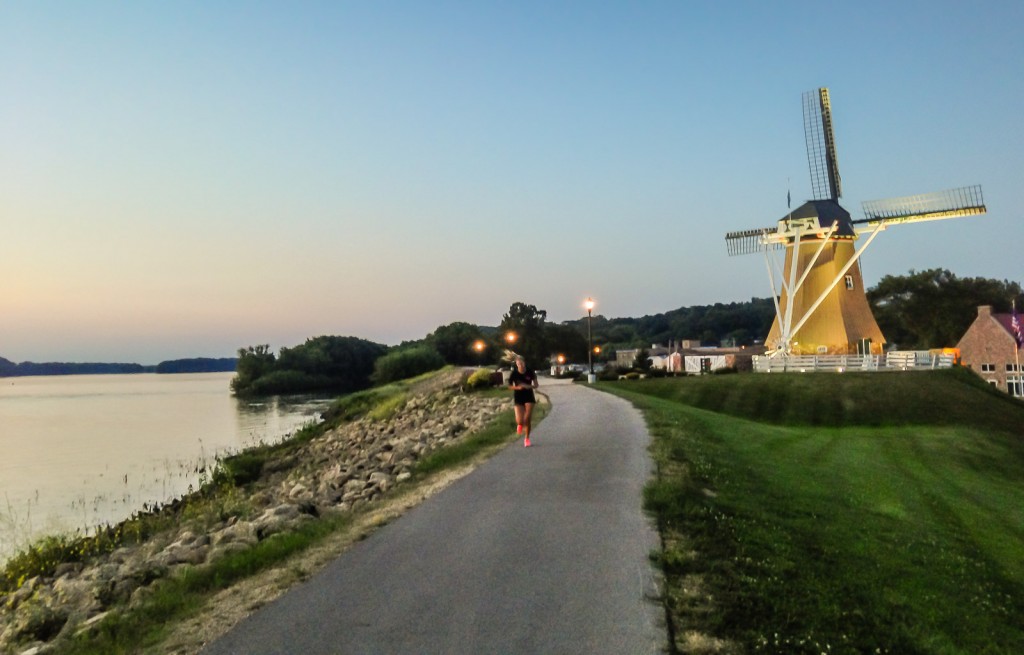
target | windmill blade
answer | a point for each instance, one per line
(747, 242)
(951, 203)
(821, 146)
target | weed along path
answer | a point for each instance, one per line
(539, 550)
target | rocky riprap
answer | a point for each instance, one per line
(349, 466)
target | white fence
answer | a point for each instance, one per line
(903, 360)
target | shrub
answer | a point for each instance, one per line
(402, 364)
(728, 370)
(288, 382)
(243, 468)
(482, 378)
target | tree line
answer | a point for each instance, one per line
(24, 369)
(920, 310)
(190, 365)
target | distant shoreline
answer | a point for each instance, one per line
(9, 369)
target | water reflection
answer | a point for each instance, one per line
(267, 420)
(80, 451)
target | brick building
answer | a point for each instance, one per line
(990, 349)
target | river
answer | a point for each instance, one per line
(79, 451)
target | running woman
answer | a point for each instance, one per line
(522, 382)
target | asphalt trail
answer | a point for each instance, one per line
(540, 550)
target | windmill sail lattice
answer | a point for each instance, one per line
(821, 146)
(964, 201)
(821, 305)
(747, 242)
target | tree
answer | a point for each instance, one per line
(566, 340)
(455, 342)
(338, 363)
(933, 308)
(643, 360)
(253, 362)
(527, 323)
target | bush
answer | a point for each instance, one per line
(243, 468)
(402, 364)
(290, 381)
(482, 378)
(728, 370)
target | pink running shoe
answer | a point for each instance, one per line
(526, 442)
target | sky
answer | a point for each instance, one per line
(190, 178)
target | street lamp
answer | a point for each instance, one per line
(479, 346)
(589, 305)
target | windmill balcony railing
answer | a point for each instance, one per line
(894, 361)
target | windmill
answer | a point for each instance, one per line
(823, 308)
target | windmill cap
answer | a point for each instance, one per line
(827, 212)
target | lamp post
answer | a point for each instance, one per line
(589, 305)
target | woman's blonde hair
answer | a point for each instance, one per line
(511, 356)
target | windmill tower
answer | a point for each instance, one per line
(822, 308)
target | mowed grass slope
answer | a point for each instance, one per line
(827, 513)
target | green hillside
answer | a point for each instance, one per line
(828, 513)
(942, 397)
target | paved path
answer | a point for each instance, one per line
(539, 550)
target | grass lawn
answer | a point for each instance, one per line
(829, 513)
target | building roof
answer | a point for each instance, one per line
(1004, 320)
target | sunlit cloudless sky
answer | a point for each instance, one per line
(184, 179)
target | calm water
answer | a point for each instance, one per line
(84, 450)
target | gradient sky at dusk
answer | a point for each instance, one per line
(184, 179)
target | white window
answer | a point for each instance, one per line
(1011, 368)
(988, 368)
(849, 282)
(1015, 387)
(994, 383)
